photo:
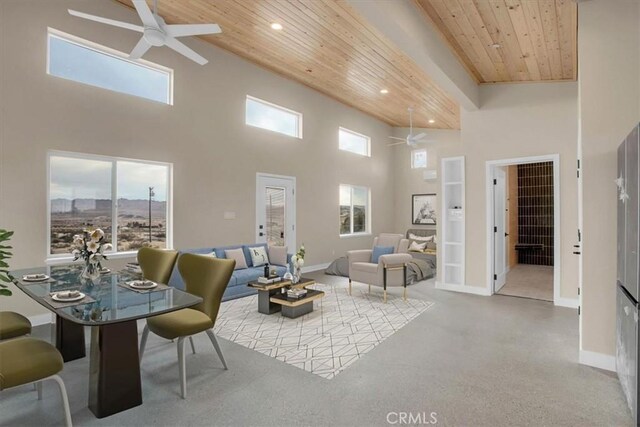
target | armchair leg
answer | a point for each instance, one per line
(369, 289)
(143, 340)
(39, 389)
(193, 347)
(182, 367)
(385, 296)
(404, 294)
(349, 286)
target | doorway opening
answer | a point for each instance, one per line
(523, 219)
(276, 210)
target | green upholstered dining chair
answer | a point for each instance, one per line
(13, 325)
(157, 264)
(30, 361)
(206, 277)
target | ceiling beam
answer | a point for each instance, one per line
(402, 22)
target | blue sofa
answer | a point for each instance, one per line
(237, 287)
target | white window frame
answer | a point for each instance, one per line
(426, 155)
(277, 107)
(104, 50)
(367, 223)
(52, 259)
(368, 153)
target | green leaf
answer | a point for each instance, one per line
(4, 264)
(6, 247)
(5, 278)
(5, 292)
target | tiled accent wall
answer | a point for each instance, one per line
(535, 212)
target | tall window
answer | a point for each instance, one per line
(73, 58)
(354, 210)
(354, 142)
(419, 158)
(82, 191)
(265, 115)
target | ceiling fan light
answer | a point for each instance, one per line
(384, 91)
(276, 26)
(431, 121)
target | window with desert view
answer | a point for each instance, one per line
(81, 194)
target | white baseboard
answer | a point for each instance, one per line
(597, 360)
(41, 319)
(310, 268)
(566, 302)
(476, 290)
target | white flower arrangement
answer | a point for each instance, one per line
(91, 247)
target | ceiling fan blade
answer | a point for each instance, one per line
(107, 21)
(399, 139)
(396, 143)
(192, 29)
(185, 50)
(419, 136)
(146, 16)
(141, 48)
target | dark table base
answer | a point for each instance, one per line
(301, 310)
(114, 373)
(265, 306)
(70, 339)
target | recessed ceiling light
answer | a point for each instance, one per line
(431, 121)
(496, 45)
(276, 26)
(384, 91)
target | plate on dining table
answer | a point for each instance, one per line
(67, 296)
(35, 277)
(142, 284)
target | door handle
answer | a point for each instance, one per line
(577, 253)
(282, 234)
(506, 234)
(261, 234)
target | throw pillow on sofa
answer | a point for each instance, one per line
(258, 256)
(378, 251)
(238, 256)
(278, 255)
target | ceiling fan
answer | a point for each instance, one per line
(155, 32)
(411, 140)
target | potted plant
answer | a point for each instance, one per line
(5, 254)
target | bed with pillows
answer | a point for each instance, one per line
(423, 244)
(250, 262)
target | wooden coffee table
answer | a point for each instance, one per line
(267, 292)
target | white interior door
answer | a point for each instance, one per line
(276, 210)
(499, 221)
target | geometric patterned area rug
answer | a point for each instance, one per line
(340, 329)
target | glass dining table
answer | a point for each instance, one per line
(111, 309)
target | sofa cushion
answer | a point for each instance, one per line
(258, 255)
(238, 256)
(278, 255)
(367, 267)
(248, 274)
(247, 253)
(381, 250)
(220, 250)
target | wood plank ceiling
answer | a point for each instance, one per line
(327, 46)
(509, 40)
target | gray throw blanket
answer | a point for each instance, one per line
(417, 270)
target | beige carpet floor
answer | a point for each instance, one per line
(529, 281)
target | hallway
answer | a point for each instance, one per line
(529, 281)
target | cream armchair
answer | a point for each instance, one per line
(391, 269)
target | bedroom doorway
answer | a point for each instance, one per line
(523, 224)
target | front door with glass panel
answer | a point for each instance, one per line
(275, 211)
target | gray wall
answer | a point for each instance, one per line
(215, 156)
